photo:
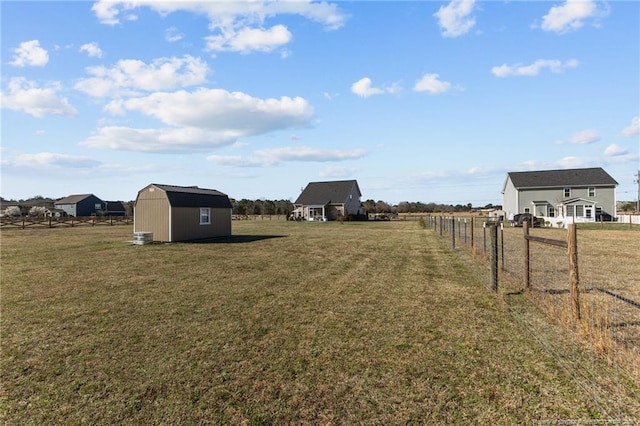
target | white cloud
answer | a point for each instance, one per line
(92, 49)
(615, 150)
(130, 76)
(161, 140)
(30, 54)
(201, 120)
(337, 172)
(26, 96)
(554, 65)
(235, 26)
(364, 88)
(584, 137)
(50, 159)
(250, 39)
(276, 156)
(571, 15)
(172, 35)
(431, 84)
(633, 129)
(455, 19)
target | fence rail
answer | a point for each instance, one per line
(25, 222)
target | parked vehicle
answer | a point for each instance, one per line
(519, 219)
(605, 217)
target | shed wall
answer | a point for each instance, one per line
(152, 214)
(186, 224)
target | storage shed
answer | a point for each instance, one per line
(181, 213)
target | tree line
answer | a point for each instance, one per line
(265, 207)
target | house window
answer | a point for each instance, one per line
(552, 212)
(592, 191)
(579, 211)
(527, 210)
(570, 211)
(567, 192)
(205, 216)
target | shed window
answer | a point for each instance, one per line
(205, 216)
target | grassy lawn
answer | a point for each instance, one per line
(286, 323)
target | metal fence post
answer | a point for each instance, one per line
(493, 231)
(526, 272)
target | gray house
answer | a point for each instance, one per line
(181, 213)
(80, 205)
(321, 201)
(560, 196)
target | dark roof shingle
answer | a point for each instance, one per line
(595, 176)
(323, 193)
(74, 199)
(192, 196)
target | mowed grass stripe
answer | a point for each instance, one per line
(287, 323)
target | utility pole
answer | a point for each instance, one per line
(638, 199)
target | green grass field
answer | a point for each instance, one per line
(285, 323)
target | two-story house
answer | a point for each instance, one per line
(328, 201)
(570, 195)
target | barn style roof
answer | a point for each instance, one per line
(74, 199)
(595, 176)
(323, 193)
(192, 196)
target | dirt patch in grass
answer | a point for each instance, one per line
(367, 323)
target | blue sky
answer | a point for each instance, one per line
(419, 101)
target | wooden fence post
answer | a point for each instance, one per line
(527, 254)
(572, 244)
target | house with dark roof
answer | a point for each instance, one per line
(181, 213)
(559, 196)
(114, 208)
(80, 205)
(321, 201)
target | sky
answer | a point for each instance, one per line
(420, 101)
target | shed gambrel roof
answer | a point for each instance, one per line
(323, 193)
(192, 196)
(595, 176)
(74, 199)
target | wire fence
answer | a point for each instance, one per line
(536, 262)
(542, 265)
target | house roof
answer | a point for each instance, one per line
(323, 193)
(192, 196)
(595, 176)
(74, 199)
(115, 206)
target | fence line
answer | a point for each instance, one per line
(25, 222)
(596, 295)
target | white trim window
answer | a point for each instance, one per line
(205, 216)
(592, 191)
(567, 192)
